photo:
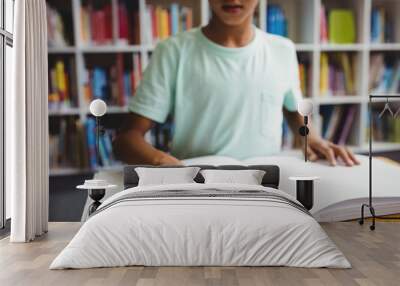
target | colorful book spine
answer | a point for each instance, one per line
(62, 84)
(276, 20)
(73, 145)
(91, 142)
(104, 156)
(348, 74)
(324, 77)
(384, 74)
(338, 123)
(305, 77)
(381, 26)
(128, 22)
(61, 81)
(85, 25)
(120, 79)
(337, 26)
(123, 23)
(114, 84)
(347, 125)
(96, 23)
(337, 74)
(99, 83)
(163, 22)
(341, 25)
(55, 28)
(174, 16)
(128, 91)
(323, 25)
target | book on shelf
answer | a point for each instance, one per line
(62, 84)
(384, 74)
(303, 78)
(67, 146)
(337, 26)
(96, 23)
(55, 28)
(74, 146)
(382, 28)
(337, 74)
(276, 20)
(341, 26)
(305, 74)
(324, 36)
(160, 22)
(128, 22)
(114, 84)
(338, 122)
(106, 154)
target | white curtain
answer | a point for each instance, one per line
(27, 124)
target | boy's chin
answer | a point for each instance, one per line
(233, 21)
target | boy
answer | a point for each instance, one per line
(225, 85)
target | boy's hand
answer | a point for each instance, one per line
(166, 159)
(319, 148)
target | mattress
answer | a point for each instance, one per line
(201, 225)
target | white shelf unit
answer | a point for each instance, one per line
(305, 33)
(303, 28)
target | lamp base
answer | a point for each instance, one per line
(96, 195)
(305, 193)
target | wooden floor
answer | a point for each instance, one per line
(375, 257)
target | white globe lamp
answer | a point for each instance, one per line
(305, 107)
(98, 108)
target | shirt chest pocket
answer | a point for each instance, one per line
(271, 113)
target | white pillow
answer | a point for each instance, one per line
(247, 177)
(165, 176)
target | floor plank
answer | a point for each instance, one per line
(375, 257)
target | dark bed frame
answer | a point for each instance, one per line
(270, 179)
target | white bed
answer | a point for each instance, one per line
(189, 231)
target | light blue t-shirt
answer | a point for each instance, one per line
(224, 101)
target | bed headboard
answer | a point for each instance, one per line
(271, 177)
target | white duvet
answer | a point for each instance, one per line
(200, 231)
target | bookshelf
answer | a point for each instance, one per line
(303, 27)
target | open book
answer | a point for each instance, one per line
(341, 190)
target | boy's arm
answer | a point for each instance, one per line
(153, 101)
(318, 147)
(131, 147)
